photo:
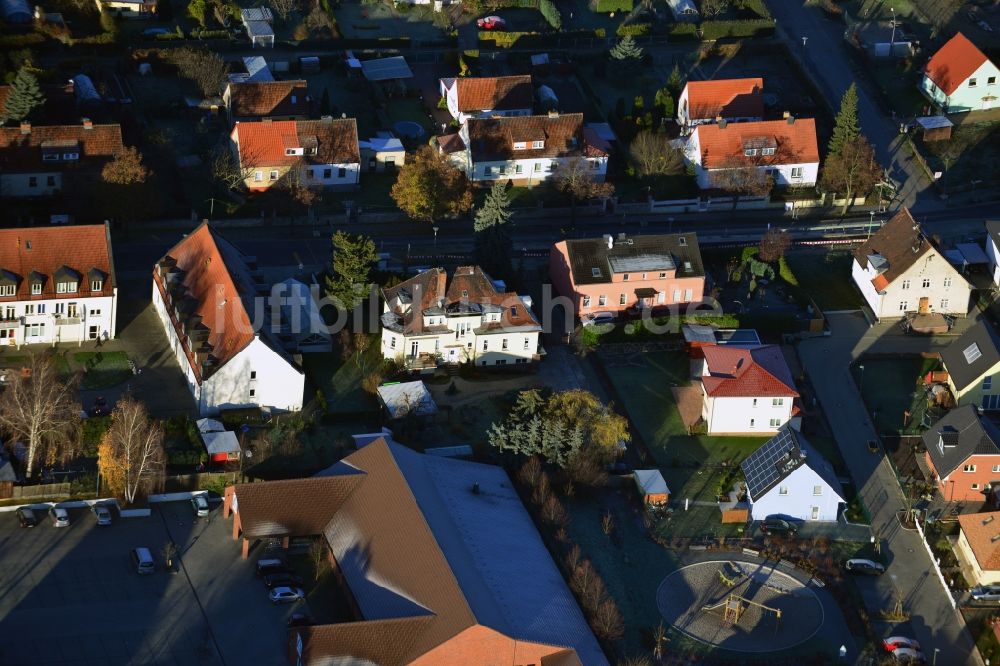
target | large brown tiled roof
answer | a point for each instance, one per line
(741, 372)
(294, 506)
(380, 642)
(728, 98)
(981, 531)
(268, 98)
(794, 142)
(900, 241)
(953, 63)
(494, 138)
(21, 150)
(38, 253)
(494, 93)
(265, 143)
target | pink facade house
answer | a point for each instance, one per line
(628, 273)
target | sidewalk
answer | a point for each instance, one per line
(934, 622)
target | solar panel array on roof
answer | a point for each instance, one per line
(771, 462)
(972, 353)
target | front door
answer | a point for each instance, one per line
(925, 305)
(414, 346)
(453, 356)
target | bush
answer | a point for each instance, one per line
(785, 271)
(91, 432)
(21, 41)
(682, 30)
(712, 30)
(634, 29)
(170, 37)
(608, 6)
(506, 40)
(757, 7)
(550, 13)
(209, 34)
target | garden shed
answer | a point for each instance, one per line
(222, 446)
(401, 399)
(936, 128)
(652, 487)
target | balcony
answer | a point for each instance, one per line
(63, 320)
(423, 361)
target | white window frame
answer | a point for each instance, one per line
(969, 469)
(586, 301)
(36, 288)
(797, 173)
(7, 290)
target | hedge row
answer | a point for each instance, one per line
(505, 40)
(753, 28)
(634, 29)
(608, 6)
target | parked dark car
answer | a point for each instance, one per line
(300, 620)
(282, 578)
(268, 566)
(26, 517)
(862, 566)
(100, 407)
(778, 526)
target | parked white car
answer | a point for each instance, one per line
(102, 514)
(200, 505)
(59, 516)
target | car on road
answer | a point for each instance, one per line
(595, 318)
(102, 514)
(59, 516)
(285, 595)
(153, 32)
(101, 407)
(905, 655)
(778, 526)
(873, 446)
(986, 593)
(26, 517)
(282, 579)
(491, 23)
(300, 620)
(862, 566)
(893, 643)
(200, 505)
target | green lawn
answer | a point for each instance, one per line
(826, 277)
(889, 387)
(408, 109)
(102, 369)
(340, 381)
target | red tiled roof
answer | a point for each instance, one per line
(264, 143)
(880, 282)
(953, 63)
(794, 142)
(450, 143)
(736, 372)
(494, 138)
(268, 98)
(900, 242)
(42, 251)
(729, 98)
(496, 93)
(207, 294)
(981, 530)
(22, 150)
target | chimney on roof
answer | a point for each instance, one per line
(722, 123)
(25, 127)
(553, 114)
(611, 241)
(88, 124)
(785, 115)
(791, 119)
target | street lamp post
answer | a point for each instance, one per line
(892, 37)
(435, 228)
(804, 40)
(861, 383)
(934, 661)
(871, 223)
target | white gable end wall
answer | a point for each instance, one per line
(799, 501)
(276, 384)
(947, 291)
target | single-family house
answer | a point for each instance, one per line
(526, 150)
(785, 151)
(734, 100)
(277, 100)
(487, 96)
(973, 365)
(381, 153)
(684, 11)
(959, 77)
(437, 557)
(206, 294)
(901, 271)
(993, 248)
(747, 390)
(788, 477)
(57, 284)
(319, 153)
(978, 546)
(257, 22)
(128, 8)
(427, 322)
(963, 454)
(661, 271)
(45, 160)
(302, 329)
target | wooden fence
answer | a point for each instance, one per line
(10, 491)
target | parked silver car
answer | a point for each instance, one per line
(200, 505)
(102, 513)
(284, 595)
(59, 516)
(986, 593)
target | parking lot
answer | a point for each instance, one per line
(72, 596)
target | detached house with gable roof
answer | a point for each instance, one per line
(900, 271)
(438, 559)
(277, 100)
(205, 292)
(427, 322)
(784, 150)
(963, 453)
(525, 150)
(57, 284)
(787, 477)
(959, 77)
(42, 160)
(747, 390)
(487, 96)
(973, 365)
(321, 153)
(630, 272)
(978, 545)
(734, 100)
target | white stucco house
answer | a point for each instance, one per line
(959, 77)
(785, 150)
(735, 100)
(526, 150)
(205, 292)
(787, 477)
(487, 96)
(57, 284)
(900, 271)
(993, 248)
(427, 322)
(747, 390)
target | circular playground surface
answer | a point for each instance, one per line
(741, 606)
(409, 129)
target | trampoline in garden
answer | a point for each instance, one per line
(409, 129)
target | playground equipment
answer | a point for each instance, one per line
(734, 606)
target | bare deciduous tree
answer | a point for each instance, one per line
(282, 7)
(226, 169)
(317, 555)
(41, 409)
(773, 245)
(653, 155)
(740, 177)
(130, 457)
(575, 178)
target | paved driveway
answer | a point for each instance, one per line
(910, 575)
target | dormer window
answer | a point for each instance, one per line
(767, 151)
(310, 151)
(537, 144)
(595, 272)
(293, 151)
(682, 241)
(7, 289)
(295, 99)
(520, 145)
(513, 311)
(66, 287)
(96, 285)
(36, 288)
(50, 157)
(69, 157)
